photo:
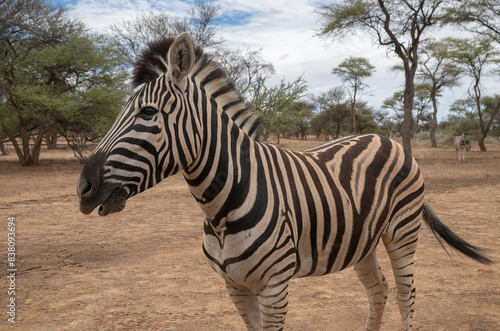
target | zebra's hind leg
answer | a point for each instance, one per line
(247, 304)
(401, 247)
(370, 274)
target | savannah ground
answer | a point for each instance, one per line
(144, 269)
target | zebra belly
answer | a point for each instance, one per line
(346, 244)
(254, 258)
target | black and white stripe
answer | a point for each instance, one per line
(270, 214)
(461, 144)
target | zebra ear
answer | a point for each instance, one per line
(181, 57)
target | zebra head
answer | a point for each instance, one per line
(465, 139)
(152, 137)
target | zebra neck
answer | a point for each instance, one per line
(224, 176)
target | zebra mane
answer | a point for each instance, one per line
(153, 62)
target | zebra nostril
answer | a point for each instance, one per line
(84, 187)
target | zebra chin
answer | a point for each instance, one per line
(113, 203)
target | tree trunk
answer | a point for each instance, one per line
(480, 142)
(25, 142)
(27, 156)
(486, 129)
(17, 148)
(37, 146)
(434, 117)
(51, 140)
(477, 99)
(407, 127)
(353, 117)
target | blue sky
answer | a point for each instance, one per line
(284, 31)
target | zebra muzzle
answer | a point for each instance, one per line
(114, 203)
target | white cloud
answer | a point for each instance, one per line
(100, 14)
(284, 31)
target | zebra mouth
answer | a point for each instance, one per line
(114, 203)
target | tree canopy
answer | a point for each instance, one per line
(353, 71)
(436, 71)
(129, 36)
(398, 25)
(273, 102)
(54, 75)
(477, 16)
(57, 78)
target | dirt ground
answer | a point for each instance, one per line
(144, 269)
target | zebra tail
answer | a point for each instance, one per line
(441, 231)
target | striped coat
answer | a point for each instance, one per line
(270, 214)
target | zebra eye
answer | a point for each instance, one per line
(147, 113)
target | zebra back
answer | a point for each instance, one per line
(206, 73)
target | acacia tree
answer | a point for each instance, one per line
(365, 119)
(474, 56)
(477, 16)
(386, 120)
(437, 71)
(333, 112)
(420, 111)
(421, 114)
(490, 106)
(393, 112)
(51, 69)
(463, 116)
(272, 102)
(298, 116)
(396, 24)
(243, 67)
(480, 17)
(130, 36)
(353, 71)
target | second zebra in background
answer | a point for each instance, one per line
(461, 145)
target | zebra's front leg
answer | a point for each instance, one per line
(274, 306)
(247, 304)
(266, 311)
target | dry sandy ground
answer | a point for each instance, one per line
(143, 269)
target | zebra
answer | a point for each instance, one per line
(461, 145)
(270, 214)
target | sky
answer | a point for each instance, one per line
(284, 31)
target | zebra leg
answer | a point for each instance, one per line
(401, 250)
(370, 274)
(247, 304)
(273, 306)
